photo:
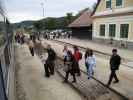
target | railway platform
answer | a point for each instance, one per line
(32, 84)
(102, 70)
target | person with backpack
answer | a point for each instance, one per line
(77, 56)
(50, 60)
(115, 62)
(68, 66)
(91, 63)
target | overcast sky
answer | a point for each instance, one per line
(20, 10)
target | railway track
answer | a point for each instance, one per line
(98, 53)
(96, 88)
(91, 90)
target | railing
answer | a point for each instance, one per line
(6, 71)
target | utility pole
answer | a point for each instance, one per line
(42, 4)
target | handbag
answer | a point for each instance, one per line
(67, 67)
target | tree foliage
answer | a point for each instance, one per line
(55, 23)
(50, 23)
(39, 25)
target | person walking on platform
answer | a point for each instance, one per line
(85, 57)
(90, 63)
(65, 50)
(50, 60)
(77, 56)
(17, 38)
(68, 66)
(43, 59)
(31, 47)
(115, 62)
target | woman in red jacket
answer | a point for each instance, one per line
(77, 57)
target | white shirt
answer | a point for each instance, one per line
(91, 60)
(44, 58)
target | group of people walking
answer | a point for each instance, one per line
(19, 38)
(71, 63)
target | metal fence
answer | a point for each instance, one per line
(7, 79)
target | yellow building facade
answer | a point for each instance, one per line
(113, 19)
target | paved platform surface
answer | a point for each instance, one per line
(31, 83)
(91, 89)
(102, 71)
(125, 53)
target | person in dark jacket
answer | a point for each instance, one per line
(50, 61)
(115, 62)
(69, 67)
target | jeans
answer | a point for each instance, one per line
(90, 70)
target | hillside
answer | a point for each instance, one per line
(49, 23)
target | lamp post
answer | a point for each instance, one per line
(42, 4)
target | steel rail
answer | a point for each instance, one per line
(105, 54)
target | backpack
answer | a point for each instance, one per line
(52, 55)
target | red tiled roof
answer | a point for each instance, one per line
(83, 21)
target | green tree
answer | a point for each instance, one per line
(39, 25)
(69, 18)
(51, 23)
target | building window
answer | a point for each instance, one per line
(108, 3)
(102, 30)
(119, 2)
(124, 28)
(112, 30)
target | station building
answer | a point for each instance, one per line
(113, 21)
(82, 26)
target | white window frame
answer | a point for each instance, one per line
(100, 30)
(121, 5)
(128, 31)
(106, 5)
(115, 30)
